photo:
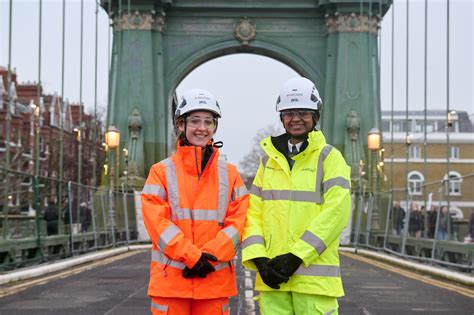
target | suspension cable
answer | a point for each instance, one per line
(62, 118)
(37, 170)
(94, 125)
(392, 95)
(6, 202)
(448, 120)
(407, 90)
(425, 141)
(81, 106)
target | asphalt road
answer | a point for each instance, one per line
(118, 286)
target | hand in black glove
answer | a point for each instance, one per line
(269, 276)
(201, 268)
(285, 264)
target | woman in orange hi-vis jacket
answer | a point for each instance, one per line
(194, 207)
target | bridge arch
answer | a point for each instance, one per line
(157, 43)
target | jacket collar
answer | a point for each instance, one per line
(315, 141)
(191, 157)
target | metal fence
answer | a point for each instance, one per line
(421, 229)
(36, 225)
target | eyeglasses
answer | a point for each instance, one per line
(196, 122)
(300, 113)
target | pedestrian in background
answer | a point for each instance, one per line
(443, 222)
(50, 215)
(416, 225)
(397, 217)
(299, 205)
(85, 216)
(194, 208)
(432, 213)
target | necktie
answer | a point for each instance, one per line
(294, 150)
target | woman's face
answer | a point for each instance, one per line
(200, 128)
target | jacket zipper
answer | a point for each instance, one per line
(197, 166)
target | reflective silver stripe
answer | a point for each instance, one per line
(319, 173)
(161, 258)
(307, 196)
(252, 240)
(329, 312)
(240, 192)
(195, 215)
(265, 160)
(337, 181)
(172, 181)
(222, 200)
(167, 235)
(255, 190)
(319, 271)
(155, 190)
(178, 213)
(159, 307)
(314, 241)
(233, 234)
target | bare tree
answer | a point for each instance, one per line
(249, 163)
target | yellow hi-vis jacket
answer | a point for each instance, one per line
(302, 211)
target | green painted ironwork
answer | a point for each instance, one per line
(157, 43)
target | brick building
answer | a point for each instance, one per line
(24, 125)
(447, 154)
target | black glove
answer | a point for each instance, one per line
(269, 276)
(285, 264)
(201, 268)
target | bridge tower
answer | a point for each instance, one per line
(157, 43)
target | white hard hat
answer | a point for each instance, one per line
(298, 93)
(197, 99)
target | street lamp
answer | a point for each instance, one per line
(112, 137)
(374, 144)
(112, 140)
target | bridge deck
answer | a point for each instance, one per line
(117, 285)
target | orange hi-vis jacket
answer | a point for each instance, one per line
(188, 211)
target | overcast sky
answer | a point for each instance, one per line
(250, 106)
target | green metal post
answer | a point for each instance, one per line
(37, 216)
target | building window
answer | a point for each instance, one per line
(454, 184)
(415, 183)
(415, 152)
(386, 125)
(454, 153)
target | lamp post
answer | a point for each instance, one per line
(125, 156)
(112, 140)
(374, 144)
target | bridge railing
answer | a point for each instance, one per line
(36, 226)
(422, 229)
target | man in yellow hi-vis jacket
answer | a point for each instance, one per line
(299, 205)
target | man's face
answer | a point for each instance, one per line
(298, 122)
